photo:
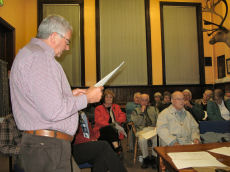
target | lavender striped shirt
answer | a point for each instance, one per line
(40, 93)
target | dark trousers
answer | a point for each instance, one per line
(98, 153)
(110, 134)
(45, 154)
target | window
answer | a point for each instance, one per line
(72, 61)
(182, 41)
(122, 36)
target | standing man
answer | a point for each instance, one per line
(44, 106)
(175, 125)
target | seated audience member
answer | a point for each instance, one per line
(10, 140)
(175, 125)
(108, 120)
(227, 94)
(157, 99)
(130, 106)
(86, 149)
(207, 95)
(144, 119)
(218, 109)
(195, 109)
(166, 101)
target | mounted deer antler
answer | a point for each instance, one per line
(222, 33)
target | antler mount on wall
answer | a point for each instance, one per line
(222, 34)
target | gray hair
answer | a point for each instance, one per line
(188, 91)
(53, 23)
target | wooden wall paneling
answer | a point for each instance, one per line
(7, 42)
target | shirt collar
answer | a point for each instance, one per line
(173, 110)
(47, 49)
(222, 103)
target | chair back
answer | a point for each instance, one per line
(85, 165)
(214, 126)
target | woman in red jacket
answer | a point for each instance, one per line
(108, 119)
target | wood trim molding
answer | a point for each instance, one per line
(148, 42)
(7, 42)
(97, 20)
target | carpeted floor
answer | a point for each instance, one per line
(128, 162)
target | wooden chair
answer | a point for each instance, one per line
(77, 167)
(133, 128)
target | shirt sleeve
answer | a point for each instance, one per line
(138, 119)
(163, 129)
(120, 115)
(194, 128)
(48, 88)
(100, 116)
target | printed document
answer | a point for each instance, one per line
(194, 159)
(103, 81)
(222, 150)
(147, 132)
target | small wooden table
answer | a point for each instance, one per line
(166, 161)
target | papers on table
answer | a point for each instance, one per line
(1, 119)
(147, 132)
(222, 150)
(103, 81)
(194, 159)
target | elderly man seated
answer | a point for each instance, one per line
(195, 109)
(219, 109)
(130, 106)
(145, 118)
(207, 95)
(175, 125)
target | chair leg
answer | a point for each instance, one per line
(135, 151)
(162, 167)
(10, 164)
(128, 135)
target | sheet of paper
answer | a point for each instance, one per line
(1, 119)
(103, 81)
(147, 132)
(222, 150)
(194, 159)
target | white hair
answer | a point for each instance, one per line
(51, 24)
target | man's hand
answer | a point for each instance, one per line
(188, 104)
(143, 107)
(176, 144)
(77, 91)
(94, 94)
(196, 141)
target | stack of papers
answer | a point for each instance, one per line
(222, 150)
(194, 159)
(103, 81)
(1, 119)
(147, 132)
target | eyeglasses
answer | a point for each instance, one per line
(67, 40)
(178, 99)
